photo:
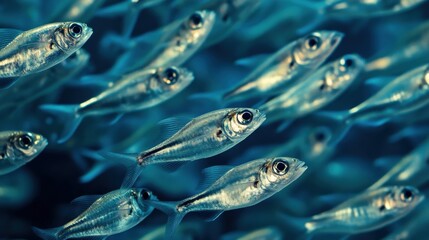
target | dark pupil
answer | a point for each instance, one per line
(25, 141)
(76, 28)
(312, 42)
(146, 195)
(171, 74)
(320, 136)
(407, 194)
(196, 19)
(348, 63)
(281, 167)
(247, 116)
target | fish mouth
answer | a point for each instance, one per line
(302, 165)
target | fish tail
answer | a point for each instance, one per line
(100, 165)
(47, 234)
(174, 217)
(68, 114)
(130, 161)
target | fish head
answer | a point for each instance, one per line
(173, 79)
(141, 196)
(71, 36)
(314, 48)
(343, 72)
(238, 123)
(198, 26)
(399, 200)
(22, 147)
(278, 172)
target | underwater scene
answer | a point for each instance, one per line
(214, 119)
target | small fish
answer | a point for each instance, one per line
(205, 136)
(411, 169)
(135, 91)
(19, 148)
(179, 41)
(365, 212)
(241, 186)
(411, 50)
(35, 50)
(268, 233)
(230, 15)
(406, 93)
(315, 92)
(112, 213)
(31, 87)
(284, 68)
(74, 10)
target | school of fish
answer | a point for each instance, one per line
(214, 119)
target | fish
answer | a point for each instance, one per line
(283, 69)
(230, 15)
(239, 187)
(29, 88)
(411, 169)
(35, 50)
(135, 91)
(73, 10)
(368, 211)
(177, 43)
(19, 148)
(406, 93)
(267, 233)
(112, 213)
(316, 91)
(205, 136)
(410, 50)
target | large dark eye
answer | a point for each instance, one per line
(321, 135)
(245, 117)
(313, 42)
(25, 141)
(406, 195)
(75, 30)
(280, 167)
(196, 21)
(347, 63)
(170, 76)
(146, 194)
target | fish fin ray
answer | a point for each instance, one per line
(68, 114)
(47, 234)
(7, 35)
(211, 174)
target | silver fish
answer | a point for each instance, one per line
(268, 233)
(242, 186)
(19, 148)
(409, 51)
(367, 211)
(363, 8)
(112, 213)
(40, 48)
(287, 66)
(205, 136)
(411, 169)
(136, 91)
(31, 87)
(179, 41)
(315, 92)
(404, 94)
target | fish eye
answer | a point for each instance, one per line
(25, 141)
(75, 30)
(146, 194)
(406, 195)
(196, 21)
(245, 117)
(347, 62)
(313, 42)
(321, 135)
(170, 76)
(280, 167)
